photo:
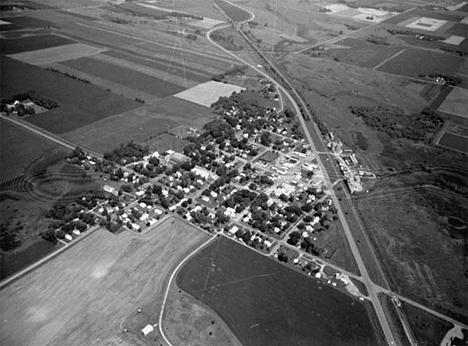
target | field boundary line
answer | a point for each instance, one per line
(48, 135)
(10, 280)
(390, 58)
(166, 294)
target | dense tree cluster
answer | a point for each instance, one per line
(127, 153)
(418, 127)
(31, 95)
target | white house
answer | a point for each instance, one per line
(148, 329)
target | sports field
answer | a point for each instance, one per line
(265, 303)
(91, 292)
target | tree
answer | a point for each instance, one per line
(49, 235)
(282, 257)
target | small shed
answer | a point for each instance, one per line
(148, 329)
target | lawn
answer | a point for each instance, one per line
(233, 12)
(265, 303)
(90, 293)
(31, 43)
(124, 76)
(80, 103)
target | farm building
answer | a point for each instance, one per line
(148, 329)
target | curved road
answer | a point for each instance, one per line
(361, 265)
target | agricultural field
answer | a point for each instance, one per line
(144, 125)
(266, 303)
(189, 322)
(128, 77)
(91, 292)
(208, 93)
(419, 63)
(32, 43)
(455, 103)
(455, 142)
(80, 103)
(235, 13)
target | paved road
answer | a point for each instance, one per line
(48, 135)
(361, 265)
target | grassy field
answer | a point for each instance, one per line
(90, 293)
(455, 103)
(32, 43)
(360, 53)
(233, 12)
(420, 256)
(427, 329)
(265, 303)
(80, 103)
(143, 125)
(189, 322)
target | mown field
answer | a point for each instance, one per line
(90, 293)
(80, 103)
(265, 303)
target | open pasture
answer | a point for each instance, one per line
(124, 76)
(235, 13)
(80, 103)
(143, 125)
(56, 54)
(265, 303)
(90, 293)
(416, 62)
(360, 53)
(32, 43)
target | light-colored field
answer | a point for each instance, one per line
(455, 40)
(207, 93)
(206, 23)
(456, 103)
(2, 22)
(89, 294)
(57, 54)
(428, 24)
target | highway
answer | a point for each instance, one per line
(357, 255)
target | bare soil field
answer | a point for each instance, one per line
(189, 322)
(90, 293)
(143, 125)
(80, 103)
(32, 43)
(265, 303)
